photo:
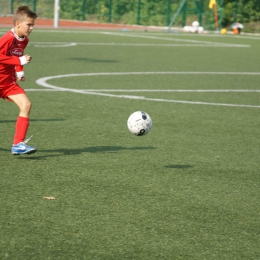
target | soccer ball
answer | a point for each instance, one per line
(139, 123)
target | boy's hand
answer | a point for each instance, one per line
(21, 78)
(28, 58)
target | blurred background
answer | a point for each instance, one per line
(177, 13)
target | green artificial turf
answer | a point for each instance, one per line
(189, 189)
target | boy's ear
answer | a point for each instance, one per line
(17, 23)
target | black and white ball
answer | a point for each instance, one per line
(139, 123)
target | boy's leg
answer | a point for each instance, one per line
(22, 123)
(23, 102)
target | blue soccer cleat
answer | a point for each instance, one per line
(23, 148)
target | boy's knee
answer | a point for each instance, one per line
(27, 106)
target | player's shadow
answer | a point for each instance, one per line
(96, 149)
(35, 120)
(67, 152)
(178, 166)
(92, 60)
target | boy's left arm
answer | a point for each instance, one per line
(19, 69)
(20, 73)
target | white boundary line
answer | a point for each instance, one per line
(47, 45)
(151, 73)
(197, 43)
(43, 82)
(175, 39)
(72, 44)
(180, 34)
(209, 35)
(158, 90)
(172, 33)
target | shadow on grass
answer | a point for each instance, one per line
(34, 120)
(178, 166)
(94, 149)
(92, 60)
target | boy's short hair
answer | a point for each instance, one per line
(22, 12)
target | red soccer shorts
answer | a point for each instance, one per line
(11, 89)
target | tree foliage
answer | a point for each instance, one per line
(147, 12)
(244, 11)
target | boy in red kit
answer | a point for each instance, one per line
(12, 59)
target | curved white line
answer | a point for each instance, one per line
(148, 73)
(42, 82)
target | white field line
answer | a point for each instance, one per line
(211, 35)
(71, 44)
(158, 90)
(151, 73)
(174, 39)
(54, 44)
(150, 99)
(42, 82)
(41, 90)
(177, 90)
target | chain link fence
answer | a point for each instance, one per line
(140, 12)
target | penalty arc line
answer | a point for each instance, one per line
(42, 82)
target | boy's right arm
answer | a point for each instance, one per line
(11, 60)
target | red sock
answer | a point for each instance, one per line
(22, 124)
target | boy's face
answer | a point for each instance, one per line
(24, 28)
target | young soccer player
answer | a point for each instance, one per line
(12, 59)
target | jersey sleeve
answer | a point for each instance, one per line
(20, 68)
(5, 43)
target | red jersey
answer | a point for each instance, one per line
(11, 48)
